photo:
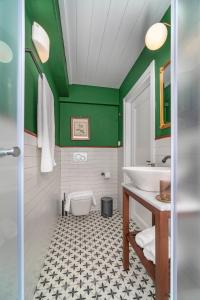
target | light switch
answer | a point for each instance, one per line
(80, 156)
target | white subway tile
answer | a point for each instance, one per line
(42, 195)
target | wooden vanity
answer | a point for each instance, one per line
(160, 272)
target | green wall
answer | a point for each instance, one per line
(103, 124)
(100, 105)
(92, 94)
(46, 14)
(160, 56)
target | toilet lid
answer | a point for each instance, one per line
(81, 195)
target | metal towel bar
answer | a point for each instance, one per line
(30, 51)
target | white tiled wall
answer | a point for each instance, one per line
(120, 176)
(80, 176)
(162, 148)
(41, 196)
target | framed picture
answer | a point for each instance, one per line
(80, 130)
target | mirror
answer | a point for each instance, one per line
(165, 95)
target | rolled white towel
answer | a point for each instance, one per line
(146, 236)
(150, 252)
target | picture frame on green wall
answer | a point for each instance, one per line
(80, 129)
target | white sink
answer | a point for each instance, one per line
(147, 178)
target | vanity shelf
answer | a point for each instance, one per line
(139, 251)
(160, 217)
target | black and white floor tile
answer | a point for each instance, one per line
(84, 262)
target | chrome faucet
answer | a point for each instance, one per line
(166, 158)
(149, 163)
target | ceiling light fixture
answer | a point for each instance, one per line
(156, 36)
(41, 42)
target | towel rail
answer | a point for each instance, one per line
(30, 51)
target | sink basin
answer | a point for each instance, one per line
(147, 178)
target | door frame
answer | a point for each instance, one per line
(147, 78)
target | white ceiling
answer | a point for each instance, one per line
(103, 38)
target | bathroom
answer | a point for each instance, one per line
(99, 152)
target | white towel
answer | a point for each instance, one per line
(150, 252)
(46, 125)
(146, 236)
(79, 195)
(39, 112)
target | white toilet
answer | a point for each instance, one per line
(80, 203)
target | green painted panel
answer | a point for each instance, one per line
(160, 56)
(92, 94)
(103, 124)
(46, 13)
(31, 86)
(31, 83)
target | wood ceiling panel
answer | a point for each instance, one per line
(68, 16)
(101, 14)
(117, 11)
(85, 10)
(103, 38)
(130, 20)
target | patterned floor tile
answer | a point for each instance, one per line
(84, 261)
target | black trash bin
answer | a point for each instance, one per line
(106, 207)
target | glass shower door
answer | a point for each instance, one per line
(187, 148)
(11, 148)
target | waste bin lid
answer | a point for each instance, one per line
(106, 198)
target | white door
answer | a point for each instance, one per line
(141, 131)
(141, 146)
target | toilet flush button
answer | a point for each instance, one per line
(80, 156)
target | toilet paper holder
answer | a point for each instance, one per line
(106, 175)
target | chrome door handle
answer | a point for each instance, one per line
(15, 152)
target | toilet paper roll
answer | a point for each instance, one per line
(107, 175)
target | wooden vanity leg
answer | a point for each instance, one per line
(162, 261)
(153, 219)
(125, 230)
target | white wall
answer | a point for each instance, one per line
(140, 214)
(80, 176)
(120, 177)
(42, 195)
(162, 148)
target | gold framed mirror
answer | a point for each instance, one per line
(165, 95)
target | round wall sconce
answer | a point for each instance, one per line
(6, 54)
(156, 36)
(41, 42)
